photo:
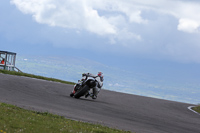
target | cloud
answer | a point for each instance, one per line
(68, 14)
(187, 14)
(87, 14)
(188, 25)
(164, 28)
(99, 17)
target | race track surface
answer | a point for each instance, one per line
(122, 111)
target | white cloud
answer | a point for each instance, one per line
(187, 14)
(188, 25)
(85, 14)
(122, 22)
(68, 14)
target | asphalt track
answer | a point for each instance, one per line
(122, 111)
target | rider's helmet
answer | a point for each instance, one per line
(100, 74)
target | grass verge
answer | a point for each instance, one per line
(34, 76)
(14, 119)
(197, 109)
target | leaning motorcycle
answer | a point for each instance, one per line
(82, 88)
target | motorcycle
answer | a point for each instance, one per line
(82, 88)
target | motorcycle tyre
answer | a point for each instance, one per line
(71, 94)
(81, 92)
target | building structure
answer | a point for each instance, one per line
(7, 61)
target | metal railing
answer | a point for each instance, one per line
(9, 67)
(18, 69)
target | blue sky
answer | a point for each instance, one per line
(115, 32)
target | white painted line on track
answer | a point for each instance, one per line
(190, 108)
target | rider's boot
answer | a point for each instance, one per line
(88, 94)
(93, 96)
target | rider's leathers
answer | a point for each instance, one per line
(99, 84)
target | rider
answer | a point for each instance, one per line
(97, 88)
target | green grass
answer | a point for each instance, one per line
(197, 109)
(14, 119)
(34, 76)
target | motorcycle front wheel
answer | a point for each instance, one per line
(80, 92)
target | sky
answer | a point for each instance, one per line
(114, 32)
